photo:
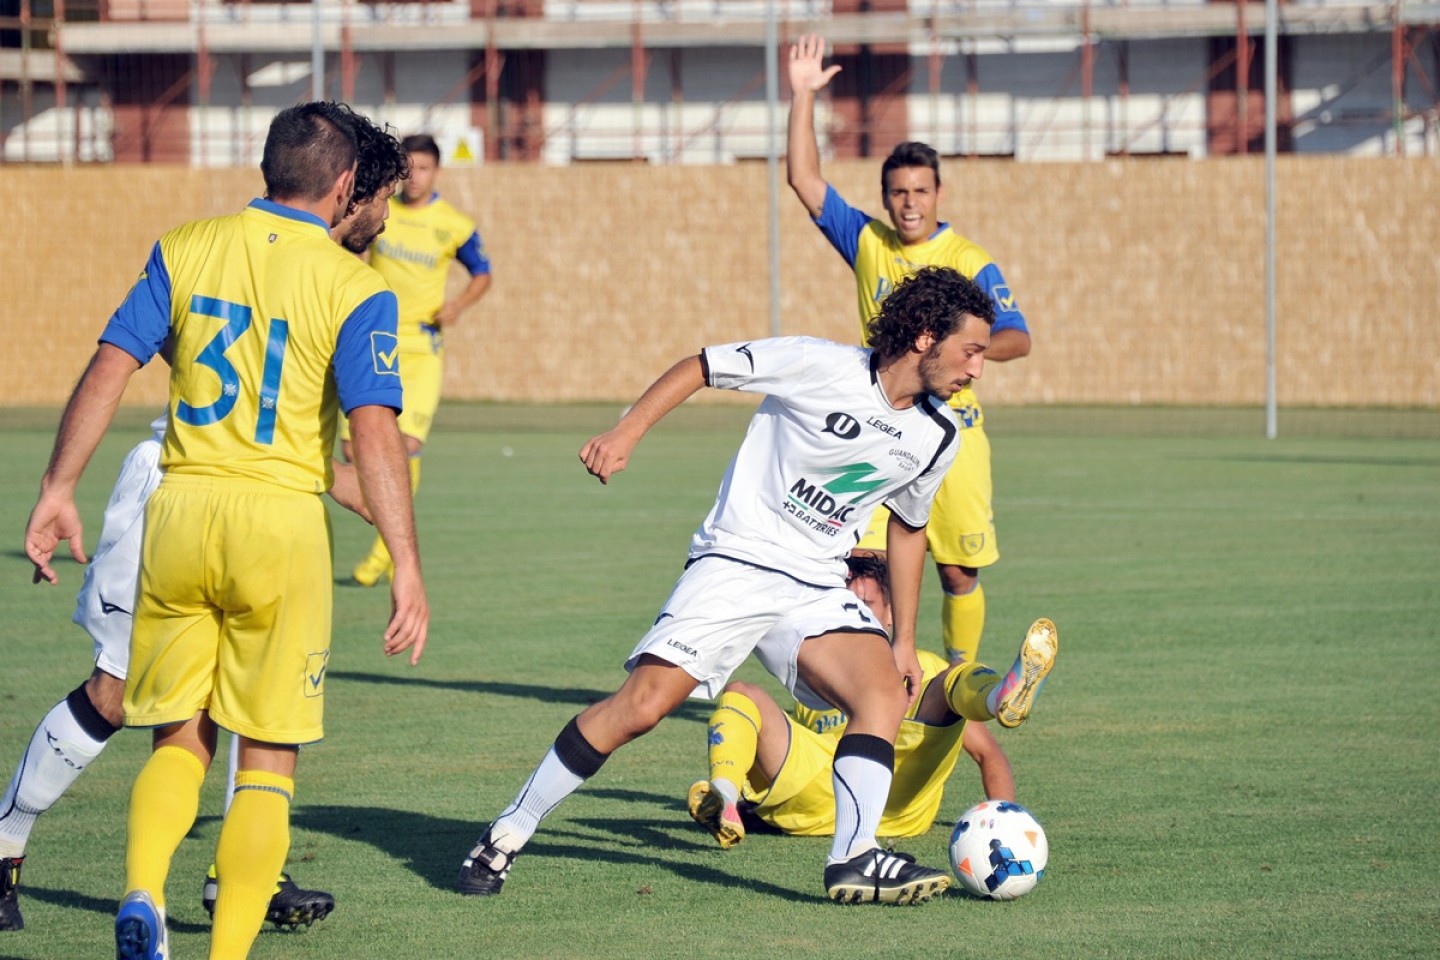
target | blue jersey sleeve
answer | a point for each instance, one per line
(140, 325)
(367, 356)
(841, 224)
(1007, 311)
(472, 255)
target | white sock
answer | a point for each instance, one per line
(861, 788)
(234, 768)
(58, 753)
(726, 789)
(547, 787)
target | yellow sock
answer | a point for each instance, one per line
(379, 554)
(966, 689)
(253, 843)
(962, 621)
(734, 731)
(163, 804)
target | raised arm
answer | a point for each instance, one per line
(607, 454)
(86, 418)
(802, 158)
(381, 462)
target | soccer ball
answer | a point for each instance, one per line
(998, 850)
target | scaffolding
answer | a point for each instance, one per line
(135, 60)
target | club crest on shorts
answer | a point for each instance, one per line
(315, 666)
(972, 543)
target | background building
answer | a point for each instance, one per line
(684, 81)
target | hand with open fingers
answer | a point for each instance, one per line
(409, 624)
(608, 454)
(807, 69)
(54, 519)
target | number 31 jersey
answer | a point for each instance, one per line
(271, 327)
(822, 451)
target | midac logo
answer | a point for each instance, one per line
(827, 499)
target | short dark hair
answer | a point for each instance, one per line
(873, 565)
(936, 301)
(307, 147)
(911, 153)
(382, 159)
(421, 143)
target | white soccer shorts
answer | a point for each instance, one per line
(104, 607)
(721, 610)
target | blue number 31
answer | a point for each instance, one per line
(237, 321)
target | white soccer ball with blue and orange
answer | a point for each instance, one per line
(998, 850)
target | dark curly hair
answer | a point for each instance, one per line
(936, 300)
(872, 565)
(911, 153)
(382, 160)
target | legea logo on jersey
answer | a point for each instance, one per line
(385, 348)
(315, 666)
(828, 506)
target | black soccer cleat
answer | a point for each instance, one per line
(883, 876)
(10, 918)
(484, 871)
(290, 905)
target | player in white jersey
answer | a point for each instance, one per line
(841, 430)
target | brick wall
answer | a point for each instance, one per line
(1143, 280)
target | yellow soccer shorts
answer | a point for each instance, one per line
(801, 801)
(961, 531)
(422, 376)
(233, 613)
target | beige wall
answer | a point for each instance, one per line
(1143, 281)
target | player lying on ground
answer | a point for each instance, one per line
(76, 730)
(842, 429)
(779, 766)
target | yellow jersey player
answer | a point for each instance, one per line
(424, 236)
(779, 766)
(961, 535)
(271, 327)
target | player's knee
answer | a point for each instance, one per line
(106, 694)
(956, 580)
(742, 688)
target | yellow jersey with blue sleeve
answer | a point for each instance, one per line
(414, 254)
(801, 801)
(272, 328)
(880, 261)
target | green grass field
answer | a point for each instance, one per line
(1237, 754)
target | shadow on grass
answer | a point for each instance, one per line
(104, 906)
(689, 710)
(433, 847)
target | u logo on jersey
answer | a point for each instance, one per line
(385, 348)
